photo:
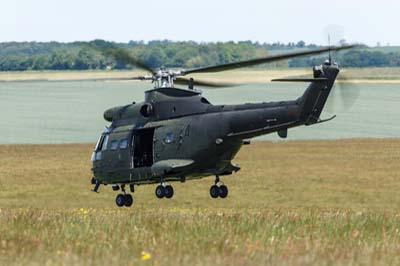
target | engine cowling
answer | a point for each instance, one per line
(109, 114)
(129, 112)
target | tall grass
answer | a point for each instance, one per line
(199, 236)
(294, 203)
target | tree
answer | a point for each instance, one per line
(301, 44)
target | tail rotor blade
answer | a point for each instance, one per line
(343, 95)
(349, 92)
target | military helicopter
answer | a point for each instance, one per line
(176, 134)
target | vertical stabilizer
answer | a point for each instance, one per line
(313, 100)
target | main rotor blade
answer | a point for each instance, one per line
(124, 56)
(108, 48)
(75, 80)
(196, 82)
(263, 60)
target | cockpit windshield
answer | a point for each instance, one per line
(100, 146)
(99, 143)
(102, 143)
(105, 141)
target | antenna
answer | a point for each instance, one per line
(329, 45)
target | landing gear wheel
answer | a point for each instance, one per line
(160, 191)
(128, 200)
(120, 200)
(223, 191)
(214, 191)
(169, 192)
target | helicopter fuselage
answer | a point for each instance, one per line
(177, 135)
(199, 144)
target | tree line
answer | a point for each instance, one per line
(19, 56)
(355, 58)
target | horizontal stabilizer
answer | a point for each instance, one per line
(301, 80)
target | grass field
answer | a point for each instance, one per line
(293, 203)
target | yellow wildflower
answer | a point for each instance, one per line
(146, 255)
(60, 252)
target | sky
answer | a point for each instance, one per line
(361, 21)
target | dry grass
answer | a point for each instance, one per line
(294, 203)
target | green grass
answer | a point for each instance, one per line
(293, 203)
(203, 236)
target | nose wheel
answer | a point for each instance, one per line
(218, 189)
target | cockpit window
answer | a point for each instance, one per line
(114, 144)
(123, 144)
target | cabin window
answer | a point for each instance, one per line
(169, 138)
(114, 144)
(123, 144)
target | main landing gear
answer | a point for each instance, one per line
(218, 189)
(124, 199)
(163, 190)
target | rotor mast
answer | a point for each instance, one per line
(163, 78)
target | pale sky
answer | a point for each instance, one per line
(364, 21)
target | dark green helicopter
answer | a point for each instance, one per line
(176, 134)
